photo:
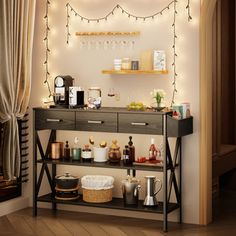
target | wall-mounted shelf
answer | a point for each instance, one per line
(135, 72)
(108, 33)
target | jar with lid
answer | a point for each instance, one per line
(94, 97)
(86, 153)
(114, 153)
(126, 64)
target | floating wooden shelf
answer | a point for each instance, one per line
(108, 33)
(135, 72)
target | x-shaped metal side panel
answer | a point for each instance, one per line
(172, 165)
(45, 168)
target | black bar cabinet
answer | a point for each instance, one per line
(118, 120)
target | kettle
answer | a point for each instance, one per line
(130, 190)
(150, 199)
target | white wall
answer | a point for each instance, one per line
(85, 66)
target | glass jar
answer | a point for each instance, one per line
(114, 153)
(94, 97)
(126, 64)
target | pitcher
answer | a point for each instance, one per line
(150, 199)
(130, 190)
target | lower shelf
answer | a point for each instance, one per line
(116, 203)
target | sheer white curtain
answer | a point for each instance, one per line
(16, 42)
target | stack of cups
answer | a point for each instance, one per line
(117, 64)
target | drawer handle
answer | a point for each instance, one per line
(139, 124)
(53, 120)
(95, 122)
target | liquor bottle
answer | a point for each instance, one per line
(132, 150)
(67, 151)
(152, 151)
(126, 156)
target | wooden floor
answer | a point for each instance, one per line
(84, 224)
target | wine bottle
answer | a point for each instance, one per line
(132, 150)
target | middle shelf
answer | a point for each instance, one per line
(116, 203)
(104, 165)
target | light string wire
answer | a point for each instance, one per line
(175, 75)
(188, 7)
(130, 15)
(174, 2)
(47, 50)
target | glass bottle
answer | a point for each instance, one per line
(152, 151)
(67, 151)
(132, 150)
(76, 151)
(126, 156)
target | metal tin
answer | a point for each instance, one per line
(56, 150)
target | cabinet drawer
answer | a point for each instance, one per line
(96, 121)
(58, 120)
(140, 123)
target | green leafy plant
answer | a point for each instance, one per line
(158, 95)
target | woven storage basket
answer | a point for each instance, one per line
(97, 188)
(97, 196)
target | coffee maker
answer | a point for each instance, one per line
(61, 90)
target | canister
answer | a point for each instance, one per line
(76, 154)
(56, 150)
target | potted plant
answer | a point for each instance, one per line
(158, 95)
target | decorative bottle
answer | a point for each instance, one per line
(76, 151)
(132, 150)
(67, 151)
(152, 151)
(126, 156)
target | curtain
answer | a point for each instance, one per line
(16, 43)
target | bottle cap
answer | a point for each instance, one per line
(76, 140)
(67, 144)
(130, 141)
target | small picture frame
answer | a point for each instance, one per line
(159, 60)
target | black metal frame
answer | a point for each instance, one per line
(170, 164)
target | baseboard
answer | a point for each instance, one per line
(13, 205)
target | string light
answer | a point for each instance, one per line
(189, 11)
(67, 24)
(70, 9)
(175, 75)
(117, 7)
(47, 50)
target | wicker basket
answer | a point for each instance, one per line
(97, 196)
(97, 188)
